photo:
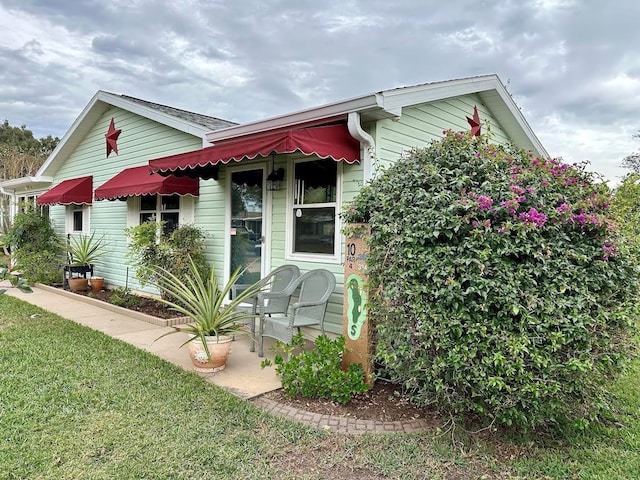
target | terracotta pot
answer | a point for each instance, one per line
(219, 349)
(78, 284)
(97, 283)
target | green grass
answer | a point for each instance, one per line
(75, 403)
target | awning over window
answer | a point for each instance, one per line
(332, 141)
(75, 190)
(139, 181)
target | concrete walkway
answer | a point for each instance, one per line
(242, 376)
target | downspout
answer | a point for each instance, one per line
(367, 145)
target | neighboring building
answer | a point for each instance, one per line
(267, 192)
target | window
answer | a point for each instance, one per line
(166, 208)
(314, 207)
(77, 218)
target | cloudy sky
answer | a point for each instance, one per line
(572, 66)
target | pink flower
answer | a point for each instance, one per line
(484, 202)
(533, 217)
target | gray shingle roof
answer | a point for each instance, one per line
(206, 121)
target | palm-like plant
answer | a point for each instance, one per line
(200, 298)
(86, 249)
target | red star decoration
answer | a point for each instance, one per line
(473, 122)
(112, 138)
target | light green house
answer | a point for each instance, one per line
(268, 192)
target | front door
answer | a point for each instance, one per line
(246, 231)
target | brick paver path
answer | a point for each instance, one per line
(339, 424)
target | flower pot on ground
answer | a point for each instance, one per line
(97, 283)
(201, 299)
(219, 349)
(78, 284)
(84, 251)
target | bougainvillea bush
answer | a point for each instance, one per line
(499, 288)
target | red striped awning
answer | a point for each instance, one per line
(331, 141)
(76, 190)
(138, 181)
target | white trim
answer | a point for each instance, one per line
(265, 254)
(389, 104)
(289, 254)
(86, 219)
(97, 106)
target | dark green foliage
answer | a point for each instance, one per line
(122, 297)
(38, 249)
(171, 253)
(500, 287)
(318, 373)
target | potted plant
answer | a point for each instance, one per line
(214, 321)
(85, 251)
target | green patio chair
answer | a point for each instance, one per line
(276, 282)
(316, 287)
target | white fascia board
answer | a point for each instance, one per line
(155, 115)
(401, 97)
(313, 115)
(388, 102)
(522, 122)
(101, 102)
(24, 182)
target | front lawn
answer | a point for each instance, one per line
(75, 403)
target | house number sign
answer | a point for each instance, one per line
(355, 316)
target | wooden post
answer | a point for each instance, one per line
(355, 321)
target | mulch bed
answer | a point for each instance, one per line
(147, 305)
(385, 402)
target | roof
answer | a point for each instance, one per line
(212, 123)
(182, 120)
(389, 104)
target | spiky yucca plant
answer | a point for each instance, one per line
(200, 298)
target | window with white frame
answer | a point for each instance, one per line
(315, 203)
(77, 218)
(165, 208)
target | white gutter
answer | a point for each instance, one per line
(367, 144)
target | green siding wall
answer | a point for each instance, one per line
(421, 124)
(140, 141)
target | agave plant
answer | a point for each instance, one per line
(86, 249)
(200, 298)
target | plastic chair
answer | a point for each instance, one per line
(277, 281)
(316, 287)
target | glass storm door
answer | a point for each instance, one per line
(246, 223)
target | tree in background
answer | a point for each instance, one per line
(21, 154)
(626, 206)
(632, 162)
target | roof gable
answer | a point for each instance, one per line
(389, 104)
(192, 123)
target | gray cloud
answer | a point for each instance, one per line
(571, 64)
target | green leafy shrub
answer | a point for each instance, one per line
(171, 253)
(122, 297)
(626, 207)
(317, 373)
(499, 285)
(37, 248)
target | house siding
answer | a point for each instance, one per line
(140, 141)
(421, 124)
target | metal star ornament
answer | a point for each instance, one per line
(112, 138)
(473, 122)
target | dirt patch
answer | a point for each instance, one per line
(385, 402)
(147, 305)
